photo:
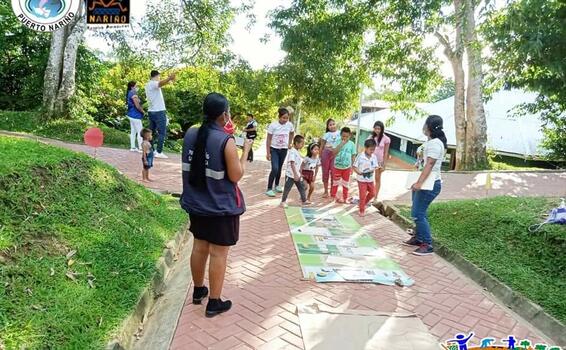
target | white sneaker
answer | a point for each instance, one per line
(160, 155)
(133, 149)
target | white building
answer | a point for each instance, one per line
(507, 135)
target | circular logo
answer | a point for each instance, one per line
(46, 15)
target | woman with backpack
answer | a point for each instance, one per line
(251, 133)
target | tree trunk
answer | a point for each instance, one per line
(455, 56)
(52, 77)
(476, 133)
(67, 88)
(59, 78)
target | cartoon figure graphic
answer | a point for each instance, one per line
(511, 341)
(462, 340)
(486, 342)
(525, 344)
(45, 8)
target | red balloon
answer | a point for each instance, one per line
(94, 137)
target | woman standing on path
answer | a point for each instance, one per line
(279, 139)
(135, 115)
(433, 154)
(211, 171)
(251, 133)
(327, 158)
(381, 152)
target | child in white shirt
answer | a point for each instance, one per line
(310, 166)
(365, 165)
(293, 172)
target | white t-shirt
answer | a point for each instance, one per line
(295, 157)
(366, 165)
(434, 149)
(280, 133)
(252, 124)
(154, 96)
(330, 138)
(310, 163)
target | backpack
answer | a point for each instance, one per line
(556, 216)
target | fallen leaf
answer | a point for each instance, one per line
(52, 272)
(28, 291)
(70, 262)
(37, 307)
(72, 275)
(71, 254)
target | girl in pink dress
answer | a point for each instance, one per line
(327, 155)
(381, 151)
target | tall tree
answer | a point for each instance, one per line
(528, 44)
(188, 32)
(324, 74)
(59, 79)
(390, 37)
(24, 55)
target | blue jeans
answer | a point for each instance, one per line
(421, 202)
(158, 121)
(277, 160)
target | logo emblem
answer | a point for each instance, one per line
(45, 15)
(108, 12)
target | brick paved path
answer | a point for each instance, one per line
(263, 278)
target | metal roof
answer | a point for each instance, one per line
(506, 134)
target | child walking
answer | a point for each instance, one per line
(293, 172)
(345, 152)
(365, 165)
(309, 170)
(147, 153)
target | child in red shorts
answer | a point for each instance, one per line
(365, 165)
(310, 166)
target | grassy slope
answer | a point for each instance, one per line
(53, 201)
(64, 130)
(492, 233)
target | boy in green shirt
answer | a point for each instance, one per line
(345, 152)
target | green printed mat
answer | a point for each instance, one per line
(333, 247)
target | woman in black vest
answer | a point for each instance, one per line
(211, 171)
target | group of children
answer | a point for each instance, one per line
(344, 159)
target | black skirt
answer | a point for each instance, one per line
(219, 230)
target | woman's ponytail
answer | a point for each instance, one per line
(213, 107)
(434, 123)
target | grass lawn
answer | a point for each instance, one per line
(68, 130)
(492, 233)
(78, 243)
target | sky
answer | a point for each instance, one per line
(247, 41)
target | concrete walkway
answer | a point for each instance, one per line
(167, 175)
(263, 277)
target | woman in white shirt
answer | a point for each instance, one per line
(279, 139)
(433, 153)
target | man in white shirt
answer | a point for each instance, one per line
(157, 117)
